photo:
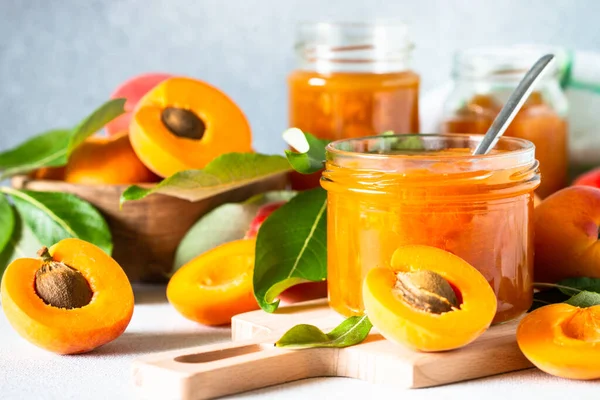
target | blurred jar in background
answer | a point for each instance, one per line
(352, 80)
(484, 78)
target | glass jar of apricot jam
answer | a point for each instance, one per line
(384, 192)
(483, 80)
(352, 80)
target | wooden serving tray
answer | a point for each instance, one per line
(251, 361)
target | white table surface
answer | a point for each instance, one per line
(27, 372)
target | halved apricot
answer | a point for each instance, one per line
(562, 340)
(216, 285)
(409, 303)
(73, 300)
(184, 123)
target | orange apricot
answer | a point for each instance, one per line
(72, 300)
(107, 161)
(562, 340)
(49, 173)
(216, 285)
(184, 123)
(428, 299)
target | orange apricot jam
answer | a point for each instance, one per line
(352, 80)
(536, 122)
(388, 191)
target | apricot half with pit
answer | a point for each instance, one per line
(562, 340)
(71, 300)
(184, 123)
(428, 299)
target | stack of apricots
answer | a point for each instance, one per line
(426, 299)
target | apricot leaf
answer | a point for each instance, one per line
(226, 223)
(309, 156)
(22, 243)
(96, 121)
(46, 150)
(584, 299)
(291, 247)
(227, 172)
(350, 332)
(572, 286)
(7, 221)
(52, 148)
(53, 216)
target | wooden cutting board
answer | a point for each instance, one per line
(251, 361)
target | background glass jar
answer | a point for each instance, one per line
(483, 80)
(389, 191)
(352, 80)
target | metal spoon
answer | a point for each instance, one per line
(512, 106)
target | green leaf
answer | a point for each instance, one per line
(53, 216)
(7, 222)
(572, 286)
(291, 247)
(52, 149)
(310, 151)
(22, 244)
(96, 121)
(226, 172)
(46, 150)
(350, 332)
(584, 299)
(223, 224)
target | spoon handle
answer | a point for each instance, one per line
(512, 106)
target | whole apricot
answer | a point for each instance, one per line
(566, 235)
(107, 161)
(590, 178)
(72, 300)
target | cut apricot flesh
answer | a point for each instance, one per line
(562, 340)
(185, 123)
(76, 330)
(216, 285)
(401, 322)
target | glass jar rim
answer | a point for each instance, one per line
(523, 147)
(505, 62)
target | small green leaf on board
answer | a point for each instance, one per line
(352, 331)
(223, 224)
(226, 172)
(309, 156)
(7, 222)
(53, 216)
(584, 299)
(291, 247)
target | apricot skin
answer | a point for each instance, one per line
(566, 235)
(216, 285)
(554, 339)
(77, 330)
(419, 330)
(107, 161)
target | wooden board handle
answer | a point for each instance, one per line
(226, 368)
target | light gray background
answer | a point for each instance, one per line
(59, 59)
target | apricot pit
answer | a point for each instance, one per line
(428, 299)
(60, 285)
(72, 300)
